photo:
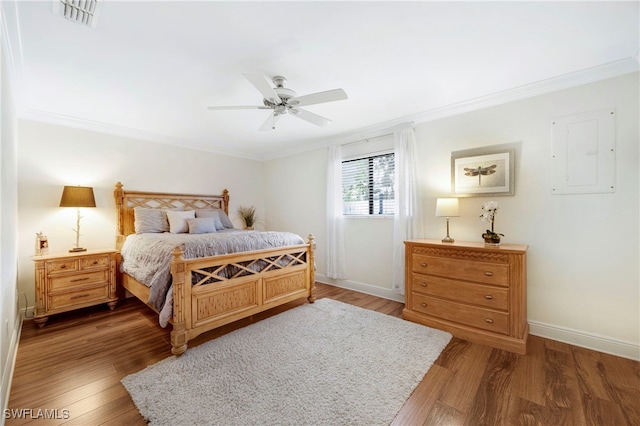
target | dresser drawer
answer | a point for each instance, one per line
(79, 298)
(497, 322)
(95, 262)
(484, 272)
(76, 280)
(457, 291)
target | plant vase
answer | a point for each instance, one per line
(491, 239)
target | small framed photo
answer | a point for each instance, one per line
(42, 244)
(483, 172)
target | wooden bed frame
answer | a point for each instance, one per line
(215, 300)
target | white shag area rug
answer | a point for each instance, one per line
(326, 363)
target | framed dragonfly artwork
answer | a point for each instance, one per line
(483, 172)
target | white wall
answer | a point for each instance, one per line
(583, 278)
(52, 156)
(9, 314)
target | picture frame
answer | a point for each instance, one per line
(483, 172)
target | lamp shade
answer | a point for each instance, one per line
(77, 196)
(447, 207)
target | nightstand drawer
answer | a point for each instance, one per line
(497, 322)
(484, 272)
(457, 291)
(71, 281)
(79, 298)
(94, 262)
(61, 266)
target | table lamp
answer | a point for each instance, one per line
(447, 207)
(77, 196)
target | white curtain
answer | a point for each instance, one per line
(336, 263)
(407, 223)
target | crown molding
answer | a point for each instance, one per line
(127, 132)
(554, 84)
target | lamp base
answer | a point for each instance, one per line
(77, 249)
(447, 239)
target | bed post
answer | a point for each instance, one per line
(225, 198)
(179, 331)
(312, 268)
(118, 194)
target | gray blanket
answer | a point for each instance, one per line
(147, 257)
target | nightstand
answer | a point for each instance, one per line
(69, 281)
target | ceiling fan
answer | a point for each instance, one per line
(283, 100)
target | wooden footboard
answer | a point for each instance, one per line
(262, 279)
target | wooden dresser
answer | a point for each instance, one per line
(70, 281)
(473, 291)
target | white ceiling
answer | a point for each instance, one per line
(149, 68)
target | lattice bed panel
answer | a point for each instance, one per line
(172, 203)
(228, 271)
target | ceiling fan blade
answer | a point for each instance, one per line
(319, 98)
(270, 122)
(311, 117)
(263, 86)
(220, 108)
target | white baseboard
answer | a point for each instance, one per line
(562, 334)
(586, 340)
(373, 290)
(8, 368)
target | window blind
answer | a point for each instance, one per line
(367, 185)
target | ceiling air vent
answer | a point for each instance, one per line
(80, 11)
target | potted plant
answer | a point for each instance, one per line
(248, 216)
(490, 236)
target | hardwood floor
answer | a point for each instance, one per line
(75, 363)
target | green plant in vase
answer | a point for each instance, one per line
(248, 216)
(489, 215)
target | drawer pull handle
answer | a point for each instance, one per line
(63, 266)
(489, 320)
(80, 296)
(423, 284)
(488, 297)
(95, 262)
(423, 264)
(489, 273)
(424, 305)
(80, 279)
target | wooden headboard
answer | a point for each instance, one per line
(126, 201)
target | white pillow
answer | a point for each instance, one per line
(178, 221)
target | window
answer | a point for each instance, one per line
(367, 185)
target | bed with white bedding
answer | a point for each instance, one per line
(200, 281)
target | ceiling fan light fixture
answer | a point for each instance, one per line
(285, 93)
